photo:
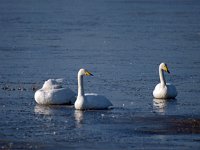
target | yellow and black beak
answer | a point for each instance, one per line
(166, 69)
(87, 73)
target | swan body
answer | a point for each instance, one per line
(89, 100)
(52, 92)
(164, 90)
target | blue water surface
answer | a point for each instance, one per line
(121, 42)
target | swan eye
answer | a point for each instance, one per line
(87, 73)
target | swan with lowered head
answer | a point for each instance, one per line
(91, 100)
(52, 92)
(164, 90)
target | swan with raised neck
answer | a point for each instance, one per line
(164, 90)
(91, 100)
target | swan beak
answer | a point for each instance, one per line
(87, 73)
(166, 69)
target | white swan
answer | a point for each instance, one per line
(92, 100)
(52, 92)
(164, 90)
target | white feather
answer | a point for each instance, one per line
(52, 92)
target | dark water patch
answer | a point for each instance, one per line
(10, 144)
(20, 87)
(170, 125)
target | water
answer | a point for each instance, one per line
(121, 42)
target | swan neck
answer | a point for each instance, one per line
(80, 85)
(162, 78)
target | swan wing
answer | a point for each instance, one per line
(171, 90)
(160, 91)
(95, 101)
(168, 91)
(53, 84)
(55, 96)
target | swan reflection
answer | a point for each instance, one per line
(43, 110)
(163, 105)
(159, 105)
(79, 116)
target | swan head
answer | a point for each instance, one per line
(84, 72)
(163, 66)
